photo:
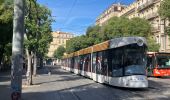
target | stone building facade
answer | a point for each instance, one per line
(59, 38)
(147, 9)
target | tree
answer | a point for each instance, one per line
(115, 27)
(164, 9)
(59, 52)
(152, 45)
(139, 27)
(38, 34)
(6, 61)
(93, 35)
(164, 12)
(17, 50)
(77, 43)
(6, 27)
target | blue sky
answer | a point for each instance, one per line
(75, 16)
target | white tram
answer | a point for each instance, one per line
(119, 62)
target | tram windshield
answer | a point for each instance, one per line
(163, 61)
(135, 60)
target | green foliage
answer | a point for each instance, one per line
(139, 27)
(6, 11)
(115, 27)
(59, 52)
(152, 45)
(6, 22)
(164, 9)
(168, 30)
(38, 28)
(164, 12)
(6, 28)
(76, 43)
(8, 50)
(93, 35)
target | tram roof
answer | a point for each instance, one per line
(123, 41)
(113, 43)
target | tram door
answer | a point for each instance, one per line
(94, 66)
(99, 67)
(105, 67)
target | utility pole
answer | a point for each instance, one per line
(17, 50)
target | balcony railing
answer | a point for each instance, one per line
(145, 5)
(155, 29)
(129, 12)
(151, 15)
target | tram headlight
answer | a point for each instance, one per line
(132, 79)
(140, 42)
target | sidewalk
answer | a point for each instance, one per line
(5, 85)
(57, 86)
(62, 85)
(5, 82)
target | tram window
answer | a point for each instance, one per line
(94, 63)
(72, 62)
(117, 60)
(134, 60)
(81, 62)
(89, 62)
(86, 62)
(105, 63)
(99, 63)
(68, 62)
(76, 62)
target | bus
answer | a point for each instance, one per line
(158, 64)
(119, 62)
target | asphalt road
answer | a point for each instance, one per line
(63, 85)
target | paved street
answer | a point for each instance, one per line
(4, 85)
(62, 85)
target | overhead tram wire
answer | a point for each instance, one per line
(73, 5)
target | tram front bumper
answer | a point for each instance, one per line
(137, 82)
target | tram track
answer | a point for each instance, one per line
(86, 90)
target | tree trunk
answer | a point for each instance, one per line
(17, 50)
(35, 65)
(29, 68)
(41, 62)
(1, 54)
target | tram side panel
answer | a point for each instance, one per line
(127, 70)
(110, 67)
(87, 65)
(116, 68)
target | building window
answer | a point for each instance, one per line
(157, 39)
(152, 9)
(163, 42)
(115, 9)
(138, 15)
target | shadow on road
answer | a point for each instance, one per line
(5, 76)
(92, 91)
